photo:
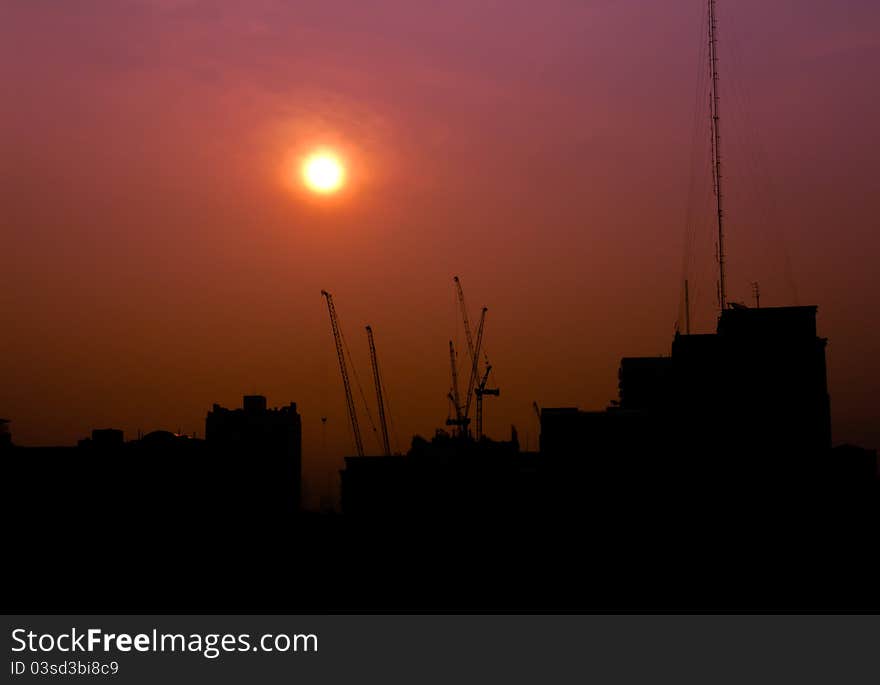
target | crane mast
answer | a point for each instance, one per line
(475, 358)
(459, 420)
(464, 316)
(473, 347)
(480, 391)
(340, 353)
(386, 445)
(452, 363)
(476, 386)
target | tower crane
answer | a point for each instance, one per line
(473, 348)
(386, 445)
(480, 391)
(476, 386)
(460, 420)
(464, 315)
(475, 358)
(340, 353)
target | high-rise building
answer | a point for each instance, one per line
(756, 388)
(759, 384)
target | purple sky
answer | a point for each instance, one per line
(154, 261)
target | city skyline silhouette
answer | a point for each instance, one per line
(151, 245)
(718, 456)
(658, 392)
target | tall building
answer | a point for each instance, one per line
(757, 388)
(643, 382)
(260, 452)
(759, 385)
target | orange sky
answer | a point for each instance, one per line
(154, 262)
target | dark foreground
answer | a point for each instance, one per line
(713, 554)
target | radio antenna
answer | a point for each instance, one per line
(716, 152)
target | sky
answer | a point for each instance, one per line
(159, 253)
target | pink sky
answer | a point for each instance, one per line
(154, 263)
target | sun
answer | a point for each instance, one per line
(323, 173)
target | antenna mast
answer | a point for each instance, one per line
(716, 151)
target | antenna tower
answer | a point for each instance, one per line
(716, 151)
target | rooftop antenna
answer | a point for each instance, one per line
(756, 293)
(716, 151)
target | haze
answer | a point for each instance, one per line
(154, 262)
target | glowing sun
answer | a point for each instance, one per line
(323, 172)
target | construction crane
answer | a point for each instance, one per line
(454, 397)
(475, 363)
(475, 388)
(473, 348)
(480, 391)
(340, 353)
(386, 445)
(464, 315)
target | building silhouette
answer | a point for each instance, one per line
(741, 414)
(715, 459)
(261, 450)
(763, 375)
(5, 435)
(442, 479)
(104, 439)
(755, 388)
